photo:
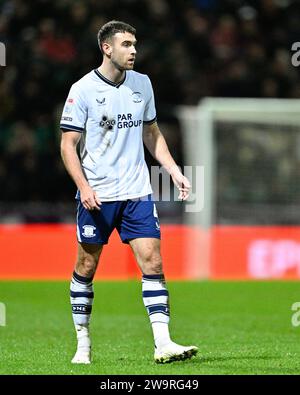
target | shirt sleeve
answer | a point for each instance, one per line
(74, 114)
(150, 111)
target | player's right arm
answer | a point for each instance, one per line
(69, 141)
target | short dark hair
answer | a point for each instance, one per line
(108, 30)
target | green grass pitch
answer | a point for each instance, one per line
(239, 327)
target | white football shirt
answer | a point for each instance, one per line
(110, 117)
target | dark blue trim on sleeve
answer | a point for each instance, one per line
(150, 122)
(71, 127)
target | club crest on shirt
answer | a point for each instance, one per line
(88, 231)
(137, 97)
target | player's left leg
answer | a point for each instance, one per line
(156, 300)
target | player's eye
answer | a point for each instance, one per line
(128, 44)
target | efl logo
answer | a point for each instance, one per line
(2, 314)
(2, 54)
(273, 258)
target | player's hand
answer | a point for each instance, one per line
(89, 199)
(183, 184)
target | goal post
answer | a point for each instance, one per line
(250, 152)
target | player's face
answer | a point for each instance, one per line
(123, 51)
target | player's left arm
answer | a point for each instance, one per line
(157, 146)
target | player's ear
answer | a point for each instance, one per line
(107, 49)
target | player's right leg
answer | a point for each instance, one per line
(81, 296)
(93, 230)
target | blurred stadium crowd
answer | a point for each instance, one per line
(189, 48)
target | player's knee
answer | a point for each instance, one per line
(86, 266)
(153, 264)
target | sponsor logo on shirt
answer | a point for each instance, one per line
(107, 123)
(125, 121)
(69, 119)
(101, 102)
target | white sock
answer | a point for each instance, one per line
(83, 337)
(161, 334)
(81, 297)
(156, 300)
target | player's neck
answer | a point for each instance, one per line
(111, 73)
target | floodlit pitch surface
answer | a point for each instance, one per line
(239, 327)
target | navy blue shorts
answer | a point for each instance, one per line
(132, 218)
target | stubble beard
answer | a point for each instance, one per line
(120, 67)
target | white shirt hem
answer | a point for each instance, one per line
(123, 197)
